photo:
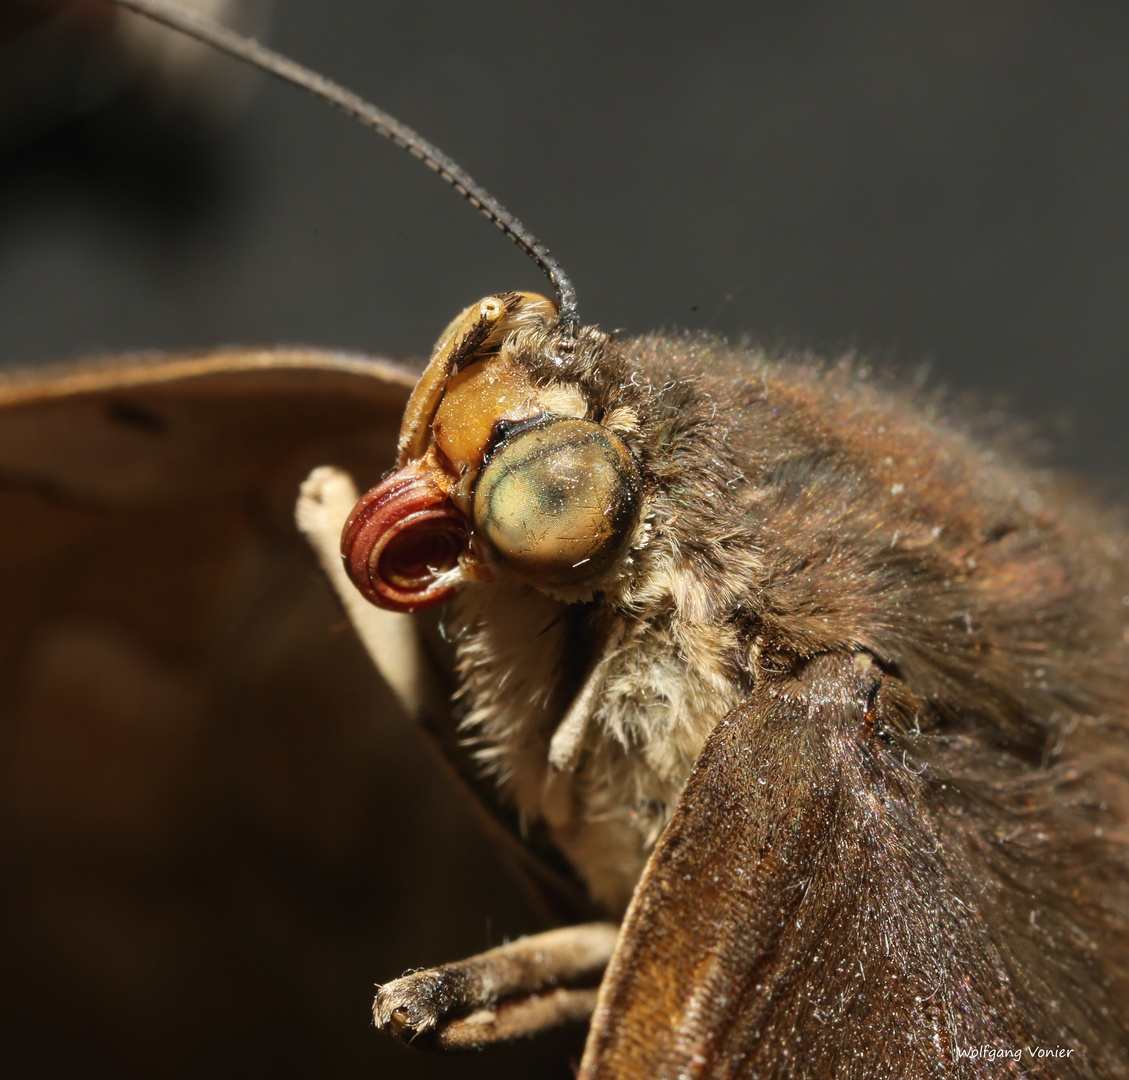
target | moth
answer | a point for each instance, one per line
(819, 695)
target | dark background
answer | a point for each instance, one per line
(927, 181)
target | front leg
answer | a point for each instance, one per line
(516, 990)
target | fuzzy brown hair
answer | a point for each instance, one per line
(940, 856)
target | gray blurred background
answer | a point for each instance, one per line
(927, 180)
(938, 181)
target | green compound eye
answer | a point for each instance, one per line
(557, 502)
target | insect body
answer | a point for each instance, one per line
(838, 719)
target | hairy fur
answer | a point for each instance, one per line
(793, 511)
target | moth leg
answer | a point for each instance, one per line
(516, 990)
(518, 1019)
(325, 499)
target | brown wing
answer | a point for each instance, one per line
(210, 815)
(802, 917)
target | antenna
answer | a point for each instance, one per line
(251, 52)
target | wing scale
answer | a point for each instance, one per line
(802, 917)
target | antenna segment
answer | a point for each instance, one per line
(251, 52)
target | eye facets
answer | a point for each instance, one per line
(557, 502)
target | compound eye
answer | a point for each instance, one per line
(557, 502)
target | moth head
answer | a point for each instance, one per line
(494, 475)
(501, 472)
